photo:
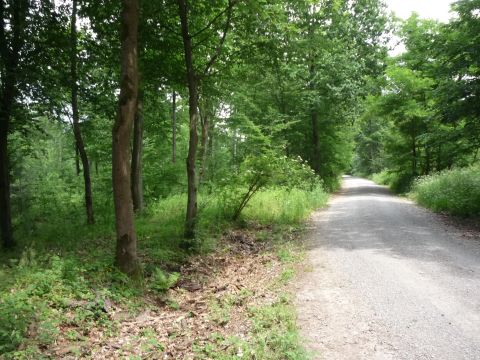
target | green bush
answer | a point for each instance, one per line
(398, 182)
(161, 281)
(454, 191)
(31, 306)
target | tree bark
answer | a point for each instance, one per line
(414, 149)
(126, 251)
(205, 122)
(77, 158)
(174, 127)
(314, 123)
(427, 160)
(10, 58)
(80, 146)
(5, 208)
(315, 142)
(137, 163)
(193, 119)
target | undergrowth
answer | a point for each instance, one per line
(63, 277)
(273, 334)
(455, 191)
(398, 182)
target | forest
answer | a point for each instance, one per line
(139, 139)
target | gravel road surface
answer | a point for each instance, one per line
(388, 280)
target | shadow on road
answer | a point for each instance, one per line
(367, 217)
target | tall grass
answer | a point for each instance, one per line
(454, 191)
(284, 206)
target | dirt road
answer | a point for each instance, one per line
(388, 280)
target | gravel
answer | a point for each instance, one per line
(388, 280)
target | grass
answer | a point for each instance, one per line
(455, 191)
(275, 332)
(273, 206)
(63, 263)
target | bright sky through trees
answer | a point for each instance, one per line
(427, 9)
(433, 9)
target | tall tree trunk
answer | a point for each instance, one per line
(174, 127)
(210, 140)
(10, 59)
(427, 160)
(76, 118)
(414, 148)
(234, 146)
(193, 115)
(414, 157)
(205, 122)
(77, 159)
(126, 252)
(314, 122)
(315, 142)
(5, 209)
(137, 176)
(211, 165)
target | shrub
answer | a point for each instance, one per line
(398, 182)
(161, 281)
(454, 191)
(261, 174)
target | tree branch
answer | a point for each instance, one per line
(211, 22)
(231, 4)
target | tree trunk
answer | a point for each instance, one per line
(314, 122)
(9, 57)
(204, 144)
(211, 165)
(174, 127)
(77, 159)
(315, 142)
(76, 118)
(193, 115)
(427, 160)
(5, 209)
(234, 146)
(414, 157)
(126, 252)
(137, 176)
(414, 148)
(210, 140)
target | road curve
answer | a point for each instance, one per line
(388, 280)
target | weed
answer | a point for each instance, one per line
(64, 263)
(275, 332)
(455, 191)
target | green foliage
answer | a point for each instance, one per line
(424, 121)
(399, 183)
(275, 332)
(285, 206)
(455, 191)
(47, 282)
(33, 305)
(281, 100)
(161, 281)
(260, 175)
